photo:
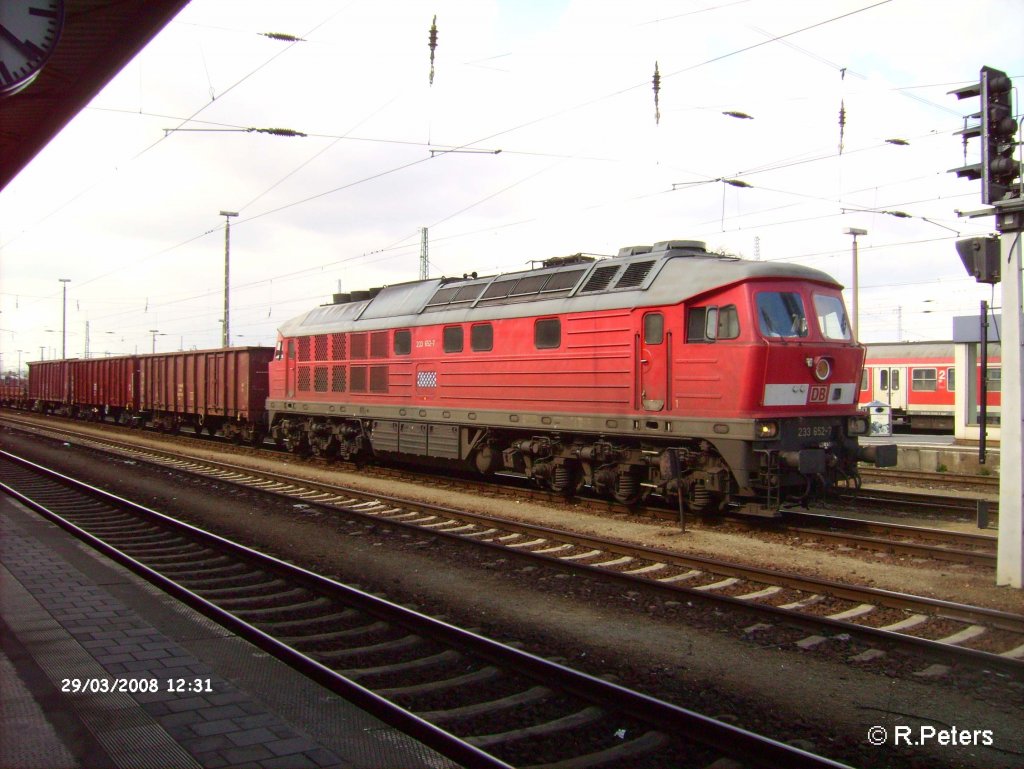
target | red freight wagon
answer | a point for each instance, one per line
(103, 387)
(208, 390)
(13, 391)
(49, 385)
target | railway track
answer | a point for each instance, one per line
(941, 630)
(476, 701)
(914, 541)
(917, 542)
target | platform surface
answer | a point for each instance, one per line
(70, 618)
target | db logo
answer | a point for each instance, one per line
(818, 394)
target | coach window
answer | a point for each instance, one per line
(403, 342)
(951, 380)
(995, 380)
(547, 333)
(924, 380)
(453, 339)
(481, 337)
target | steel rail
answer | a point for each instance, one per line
(731, 740)
(1013, 623)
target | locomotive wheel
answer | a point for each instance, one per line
(565, 479)
(627, 489)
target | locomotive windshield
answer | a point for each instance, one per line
(831, 317)
(781, 314)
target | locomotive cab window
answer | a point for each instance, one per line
(403, 342)
(781, 314)
(279, 352)
(547, 333)
(453, 339)
(831, 317)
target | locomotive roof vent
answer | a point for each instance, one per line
(634, 250)
(562, 261)
(342, 298)
(680, 245)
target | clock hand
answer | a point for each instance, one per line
(27, 47)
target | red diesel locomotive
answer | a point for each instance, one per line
(666, 369)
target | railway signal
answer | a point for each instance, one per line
(998, 170)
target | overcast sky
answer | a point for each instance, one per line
(125, 201)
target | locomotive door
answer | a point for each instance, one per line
(653, 363)
(891, 386)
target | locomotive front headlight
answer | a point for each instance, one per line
(822, 369)
(764, 431)
(857, 426)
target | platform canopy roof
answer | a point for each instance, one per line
(99, 38)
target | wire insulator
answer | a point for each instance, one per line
(433, 47)
(656, 87)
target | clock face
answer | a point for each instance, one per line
(28, 35)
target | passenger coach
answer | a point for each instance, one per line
(666, 365)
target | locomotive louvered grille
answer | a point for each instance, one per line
(339, 375)
(303, 348)
(379, 344)
(304, 379)
(358, 379)
(338, 351)
(320, 347)
(378, 379)
(357, 346)
(600, 279)
(320, 379)
(634, 274)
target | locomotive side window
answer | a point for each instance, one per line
(863, 379)
(781, 314)
(403, 342)
(453, 339)
(706, 324)
(695, 320)
(547, 333)
(728, 322)
(831, 317)
(654, 328)
(481, 337)
(924, 380)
